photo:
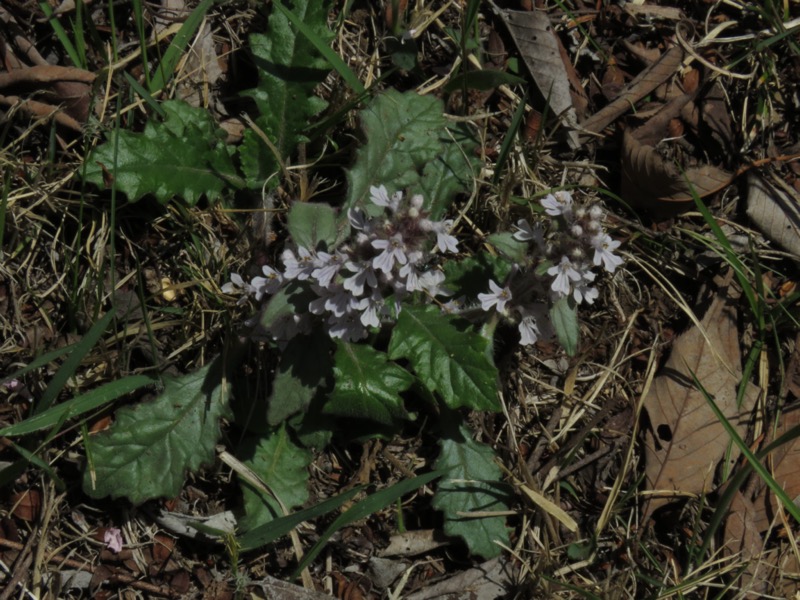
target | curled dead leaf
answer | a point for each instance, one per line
(648, 181)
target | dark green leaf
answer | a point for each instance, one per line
(473, 484)
(454, 362)
(367, 385)
(312, 225)
(509, 247)
(283, 468)
(146, 453)
(182, 156)
(565, 322)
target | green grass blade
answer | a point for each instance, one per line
(70, 365)
(177, 46)
(363, 509)
(84, 403)
(336, 62)
(266, 534)
(511, 135)
(62, 36)
(145, 95)
(752, 459)
(43, 360)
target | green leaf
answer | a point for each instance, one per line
(148, 450)
(91, 400)
(266, 534)
(402, 134)
(289, 69)
(509, 247)
(290, 300)
(182, 156)
(367, 385)
(486, 79)
(312, 224)
(471, 275)
(451, 172)
(565, 322)
(283, 467)
(305, 367)
(473, 484)
(454, 362)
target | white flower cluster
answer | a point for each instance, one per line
(387, 256)
(579, 244)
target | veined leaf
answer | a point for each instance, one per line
(148, 450)
(367, 385)
(182, 156)
(473, 484)
(282, 466)
(289, 68)
(312, 225)
(455, 363)
(565, 321)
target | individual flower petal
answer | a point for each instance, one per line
(370, 309)
(113, 539)
(498, 297)
(298, 267)
(604, 247)
(564, 273)
(431, 281)
(393, 250)
(358, 219)
(380, 197)
(444, 241)
(558, 204)
(363, 274)
(269, 284)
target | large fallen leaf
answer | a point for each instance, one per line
(785, 463)
(742, 538)
(775, 212)
(648, 180)
(685, 441)
(539, 49)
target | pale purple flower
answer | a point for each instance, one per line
(269, 284)
(370, 309)
(328, 266)
(363, 273)
(411, 275)
(380, 197)
(358, 219)
(347, 327)
(565, 274)
(444, 241)
(557, 204)
(298, 267)
(393, 250)
(431, 281)
(498, 297)
(535, 323)
(453, 306)
(583, 291)
(113, 539)
(339, 301)
(528, 331)
(604, 247)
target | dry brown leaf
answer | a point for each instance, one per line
(785, 465)
(742, 537)
(539, 49)
(643, 84)
(648, 180)
(775, 212)
(685, 440)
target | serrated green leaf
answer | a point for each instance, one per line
(182, 156)
(367, 385)
(283, 467)
(565, 321)
(312, 225)
(509, 247)
(289, 69)
(146, 453)
(402, 134)
(473, 484)
(451, 172)
(455, 363)
(305, 366)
